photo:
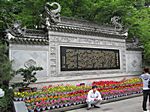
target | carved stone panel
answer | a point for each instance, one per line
(75, 58)
(28, 58)
(134, 61)
(82, 61)
(85, 40)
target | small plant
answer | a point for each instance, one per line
(28, 74)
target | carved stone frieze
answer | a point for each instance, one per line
(30, 63)
(66, 39)
(53, 55)
(53, 73)
(93, 41)
(53, 61)
(52, 49)
(52, 44)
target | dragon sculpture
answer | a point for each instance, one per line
(53, 15)
(115, 22)
(14, 26)
(16, 29)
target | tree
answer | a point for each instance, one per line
(5, 66)
(28, 74)
(5, 76)
(134, 13)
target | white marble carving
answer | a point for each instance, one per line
(134, 61)
(30, 63)
(75, 40)
(22, 54)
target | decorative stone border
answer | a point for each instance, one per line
(84, 105)
(73, 107)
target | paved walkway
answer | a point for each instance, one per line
(128, 105)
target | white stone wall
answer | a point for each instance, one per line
(48, 57)
(57, 39)
(134, 61)
(19, 54)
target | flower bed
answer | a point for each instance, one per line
(60, 96)
(114, 89)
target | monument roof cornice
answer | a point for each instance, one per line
(133, 45)
(36, 33)
(67, 25)
(84, 27)
(31, 36)
(26, 40)
(86, 31)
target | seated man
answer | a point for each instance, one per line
(93, 98)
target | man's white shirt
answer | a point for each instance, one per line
(145, 78)
(91, 96)
(2, 93)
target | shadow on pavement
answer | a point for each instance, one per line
(106, 109)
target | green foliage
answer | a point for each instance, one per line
(133, 13)
(5, 65)
(140, 25)
(28, 75)
(5, 76)
(6, 101)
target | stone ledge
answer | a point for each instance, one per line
(19, 106)
(84, 105)
(82, 79)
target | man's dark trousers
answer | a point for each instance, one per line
(146, 94)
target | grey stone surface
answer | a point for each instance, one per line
(57, 39)
(134, 61)
(128, 105)
(20, 54)
(20, 107)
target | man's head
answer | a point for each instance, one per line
(146, 70)
(94, 88)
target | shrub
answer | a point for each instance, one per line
(28, 74)
(5, 76)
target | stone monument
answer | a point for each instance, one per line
(72, 50)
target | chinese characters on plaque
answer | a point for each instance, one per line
(77, 58)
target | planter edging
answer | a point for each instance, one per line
(73, 107)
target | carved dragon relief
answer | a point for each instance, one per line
(119, 29)
(51, 15)
(16, 29)
(115, 22)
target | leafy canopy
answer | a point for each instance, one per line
(135, 14)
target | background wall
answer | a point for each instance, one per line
(20, 54)
(134, 61)
(48, 57)
(57, 39)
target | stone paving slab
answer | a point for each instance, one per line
(84, 105)
(20, 107)
(128, 105)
